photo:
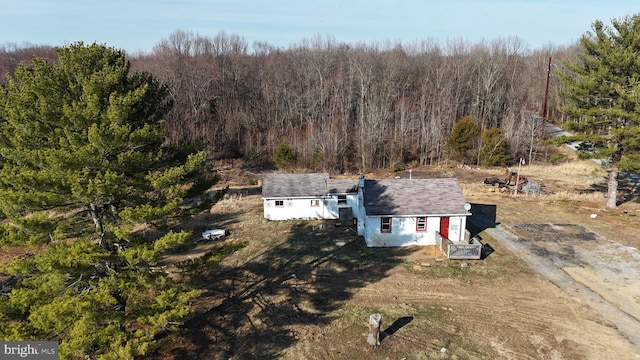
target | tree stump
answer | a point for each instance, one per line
(375, 322)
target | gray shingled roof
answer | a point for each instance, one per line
(305, 185)
(343, 186)
(414, 197)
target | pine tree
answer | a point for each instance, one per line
(603, 91)
(81, 163)
(284, 157)
(464, 139)
(494, 148)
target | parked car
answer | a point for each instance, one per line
(214, 234)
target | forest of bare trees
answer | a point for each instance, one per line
(343, 107)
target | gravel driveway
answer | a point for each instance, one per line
(601, 274)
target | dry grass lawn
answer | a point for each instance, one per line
(293, 292)
(305, 290)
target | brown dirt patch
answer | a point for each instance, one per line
(295, 293)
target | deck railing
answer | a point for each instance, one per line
(443, 243)
(459, 250)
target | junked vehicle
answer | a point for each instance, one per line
(214, 234)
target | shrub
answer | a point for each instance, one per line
(285, 157)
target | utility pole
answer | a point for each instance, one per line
(546, 97)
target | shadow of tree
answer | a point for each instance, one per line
(397, 325)
(249, 311)
(628, 189)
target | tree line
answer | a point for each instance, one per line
(347, 107)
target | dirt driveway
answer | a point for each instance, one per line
(602, 274)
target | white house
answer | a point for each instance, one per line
(403, 212)
(394, 212)
(308, 197)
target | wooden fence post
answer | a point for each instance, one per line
(375, 322)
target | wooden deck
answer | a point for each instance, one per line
(461, 250)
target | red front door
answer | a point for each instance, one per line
(444, 227)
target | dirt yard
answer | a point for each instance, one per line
(560, 281)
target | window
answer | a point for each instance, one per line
(342, 199)
(385, 224)
(421, 223)
(279, 203)
(315, 203)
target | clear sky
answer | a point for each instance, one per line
(138, 25)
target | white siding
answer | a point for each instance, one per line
(403, 232)
(302, 209)
(317, 208)
(332, 208)
(298, 208)
(326, 206)
(352, 203)
(433, 226)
